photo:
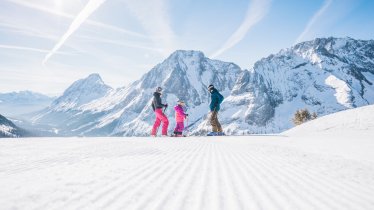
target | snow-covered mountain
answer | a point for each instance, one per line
(9, 129)
(81, 92)
(325, 75)
(127, 111)
(64, 114)
(18, 103)
(183, 75)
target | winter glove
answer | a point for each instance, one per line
(166, 105)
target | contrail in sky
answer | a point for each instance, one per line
(256, 11)
(42, 8)
(91, 6)
(311, 22)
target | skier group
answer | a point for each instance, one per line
(181, 116)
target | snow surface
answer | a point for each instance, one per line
(328, 169)
(342, 90)
(253, 172)
(356, 121)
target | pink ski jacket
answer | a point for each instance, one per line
(179, 113)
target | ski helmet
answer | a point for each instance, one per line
(210, 87)
(159, 89)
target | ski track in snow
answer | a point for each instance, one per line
(186, 173)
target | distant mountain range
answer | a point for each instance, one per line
(22, 102)
(325, 75)
(185, 74)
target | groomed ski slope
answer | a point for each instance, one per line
(330, 171)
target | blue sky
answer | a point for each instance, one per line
(45, 45)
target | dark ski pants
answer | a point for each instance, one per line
(216, 126)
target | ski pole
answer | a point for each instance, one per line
(165, 109)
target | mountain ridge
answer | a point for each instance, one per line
(16, 103)
(325, 75)
(307, 75)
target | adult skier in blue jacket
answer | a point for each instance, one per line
(215, 106)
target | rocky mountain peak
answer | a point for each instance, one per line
(324, 75)
(81, 92)
(93, 80)
(184, 54)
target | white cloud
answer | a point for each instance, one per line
(313, 20)
(26, 30)
(257, 9)
(32, 30)
(13, 47)
(39, 7)
(120, 43)
(153, 15)
(43, 8)
(91, 7)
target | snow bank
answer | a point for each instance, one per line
(352, 121)
(348, 134)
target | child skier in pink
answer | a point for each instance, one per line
(180, 116)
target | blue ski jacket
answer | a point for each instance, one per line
(216, 100)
